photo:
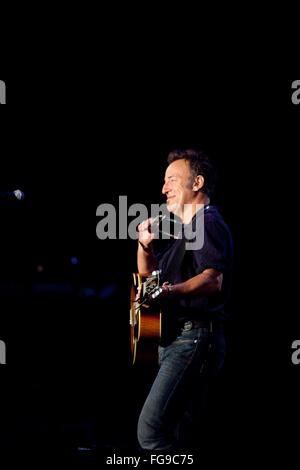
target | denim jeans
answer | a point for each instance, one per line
(180, 386)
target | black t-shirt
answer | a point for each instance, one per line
(179, 264)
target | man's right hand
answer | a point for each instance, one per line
(145, 236)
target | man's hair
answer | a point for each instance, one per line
(199, 165)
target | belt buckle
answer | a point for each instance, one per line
(187, 326)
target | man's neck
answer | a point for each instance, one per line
(192, 208)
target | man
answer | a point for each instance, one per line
(193, 305)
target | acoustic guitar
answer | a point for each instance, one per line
(145, 320)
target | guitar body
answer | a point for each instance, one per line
(145, 321)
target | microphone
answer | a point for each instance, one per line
(17, 194)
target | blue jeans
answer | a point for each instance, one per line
(180, 386)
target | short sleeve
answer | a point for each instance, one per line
(216, 250)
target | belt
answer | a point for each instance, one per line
(189, 325)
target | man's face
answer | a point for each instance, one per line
(177, 187)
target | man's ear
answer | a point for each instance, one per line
(198, 183)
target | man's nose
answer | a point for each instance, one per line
(165, 188)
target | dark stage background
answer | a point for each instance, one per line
(68, 380)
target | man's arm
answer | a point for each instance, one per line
(146, 259)
(207, 283)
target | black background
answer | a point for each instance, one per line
(72, 143)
